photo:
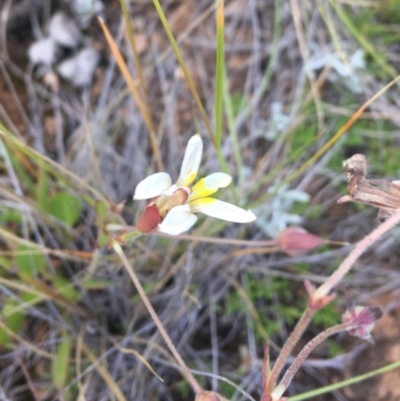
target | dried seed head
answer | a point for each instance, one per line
(296, 241)
(356, 165)
(380, 193)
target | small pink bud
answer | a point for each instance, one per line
(296, 241)
(364, 319)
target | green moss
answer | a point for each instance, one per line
(327, 316)
(263, 295)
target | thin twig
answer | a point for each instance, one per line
(360, 248)
(188, 237)
(135, 93)
(28, 378)
(185, 370)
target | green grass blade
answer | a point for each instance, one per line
(345, 383)
(219, 74)
(60, 366)
(362, 40)
(53, 168)
(333, 140)
(131, 37)
(185, 69)
(232, 129)
(219, 88)
(247, 110)
(42, 189)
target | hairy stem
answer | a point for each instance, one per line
(323, 291)
(359, 249)
(304, 353)
(301, 326)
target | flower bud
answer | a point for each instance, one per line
(149, 220)
(364, 319)
(296, 241)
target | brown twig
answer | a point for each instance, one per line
(360, 248)
(28, 379)
(185, 370)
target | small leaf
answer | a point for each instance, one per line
(95, 284)
(65, 207)
(103, 239)
(13, 320)
(6, 263)
(29, 261)
(101, 210)
(60, 363)
(42, 189)
(10, 216)
(65, 288)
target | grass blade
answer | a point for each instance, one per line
(185, 69)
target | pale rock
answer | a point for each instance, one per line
(79, 69)
(43, 51)
(64, 30)
(85, 10)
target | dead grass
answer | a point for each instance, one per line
(283, 113)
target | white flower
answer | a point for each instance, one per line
(173, 207)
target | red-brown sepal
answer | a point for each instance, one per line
(149, 220)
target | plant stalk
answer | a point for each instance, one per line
(294, 337)
(304, 353)
(185, 370)
(359, 249)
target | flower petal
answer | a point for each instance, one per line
(178, 220)
(170, 191)
(152, 186)
(191, 161)
(209, 185)
(221, 210)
